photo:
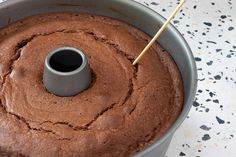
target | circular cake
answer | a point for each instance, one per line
(125, 109)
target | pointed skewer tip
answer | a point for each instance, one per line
(159, 32)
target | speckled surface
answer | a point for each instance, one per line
(210, 29)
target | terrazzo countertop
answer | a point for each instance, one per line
(210, 29)
(209, 26)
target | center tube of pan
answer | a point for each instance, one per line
(66, 72)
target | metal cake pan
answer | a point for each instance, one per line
(133, 13)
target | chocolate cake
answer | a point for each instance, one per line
(125, 109)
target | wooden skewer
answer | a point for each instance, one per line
(159, 32)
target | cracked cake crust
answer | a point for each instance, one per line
(125, 109)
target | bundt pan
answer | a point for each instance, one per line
(133, 13)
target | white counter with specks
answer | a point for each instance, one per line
(210, 29)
